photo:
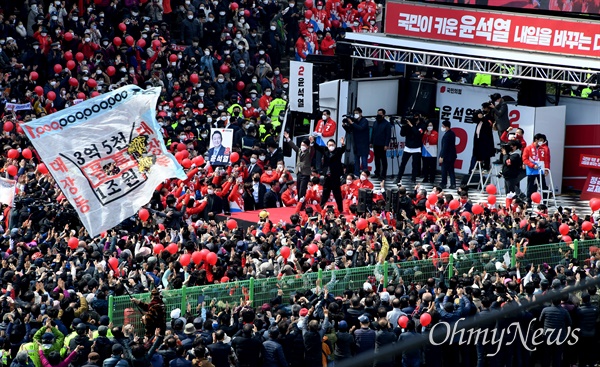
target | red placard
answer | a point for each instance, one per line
(589, 161)
(495, 29)
(591, 188)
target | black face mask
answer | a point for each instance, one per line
(379, 117)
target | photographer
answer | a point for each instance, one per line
(412, 130)
(483, 144)
(499, 109)
(511, 166)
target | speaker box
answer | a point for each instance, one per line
(391, 199)
(532, 93)
(365, 200)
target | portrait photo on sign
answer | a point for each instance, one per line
(221, 141)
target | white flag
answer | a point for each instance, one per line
(106, 154)
(7, 191)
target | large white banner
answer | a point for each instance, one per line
(301, 86)
(7, 191)
(457, 102)
(106, 153)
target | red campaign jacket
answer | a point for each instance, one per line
(264, 102)
(301, 48)
(366, 184)
(431, 138)
(326, 128)
(544, 152)
(236, 197)
(504, 138)
(325, 46)
(250, 112)
(531, 155)
(322, 16)
(288, 197)
(349, 191)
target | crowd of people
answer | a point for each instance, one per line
(220, 64)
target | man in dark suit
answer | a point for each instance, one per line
(447, 154)
(332, 171)
(214, 203)
(272, 197)
(359, 127)
(258, 192)
(221, 353)
(303, 158)
(275, 154)
(253, 168)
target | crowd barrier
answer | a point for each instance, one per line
(123, 311)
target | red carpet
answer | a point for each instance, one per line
(246, 219)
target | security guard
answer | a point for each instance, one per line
(276, 106)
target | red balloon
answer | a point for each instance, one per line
(144, 214)
(477, 209)
(68, 36)
(432, 199)
(173, 58)
(27, 154)
(51, 95)
(240, 86)
(113, 262)
(185, 259)
(564, 229)
(225, 279)
(312, 248)
(211, 258)
(68, 55)
(567, 239)
(122, 27)
(92, 83)
(161, 227)
(13, 154)
(81, 95)
(41, 168)
(179, 156)
(198, 161)
(246, 13)
(73, 243)
(467, 216)
(425, 319)
(158, 248)
(203, 254)
(234, 157)
(111, 70)
(231, 224)
(194, 78)
(586, 226)
(234, 6)
(34, 75)
(185, 154)
(492, 199)
(73, 82)
(8, 126)
(523, 223)
(491, 189)
(156, 44)
(594, 204)
(186, 163)
(196, 257)
(57, 68)
(536, 197)
(12, 170)
(181, 147)
(362, 223)
(454, 204)
(39, 91)
(117, 41)
(224, 69)
(95, 94)
(71, 64)
(141, 43)
(403, 321)
(308, 14)
(172, 248)
(285, 252)
(79, 57)
(129, 40)
(308, 4)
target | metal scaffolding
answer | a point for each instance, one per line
(502, 67)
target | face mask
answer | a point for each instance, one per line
(226, 52)
(261, 157)
(123, 70)
(356, 24)
(46, 346)
(254, 81)
(261, 52)
(135, 14)
(75, 18)
(286, 86)
(252, 160)
(429, 128)
(276, 72)
(221, 13)
(221, 80)
(444, 129)
(269, 172)
(92, 9)
(331, 148)
(496, 103)
(54, 17)
(324, 117)
(292, 5)
(319, 7)
(190, 17)
(210, 192)
(356, 116)
(253, 95)
(303, 148)
(248, 105)
(211, 19)
(363, 178)
(262, 62)
(267, 94)
(220, 107)
(349, 253)
(230, 25)
(44, 34)
(540, 143)
(53, 83)
(207, 53)
(349, 182)
(36, 47)
(86, 78)
(209, 119)
(105, 43)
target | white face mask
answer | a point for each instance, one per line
(209, 119)
(331, 148)
(349, 253)
(221, 80)
(324, 117)
(169, 75)
(123, 70)
(252, 160)
(269, 172)
(220, 107)
(75, 18)
(267, 94)
(273, 28)
(54, 17)
(262, 62)
(254, 81)
(429, 128)
(207, 53)
(201, 94)
(286, 86)
(261, 157)
(200, 105)
(303, 148)
(261, 52)
(276, 72)
(349, 182)
(248, 105)
(356, 116)
(363, 178)
(210, 192)
(204, 136)
(190, 17)
(221, 13)
(540, 143)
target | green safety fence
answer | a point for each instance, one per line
(122, 311)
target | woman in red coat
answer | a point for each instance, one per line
(430, 142)
(328, 45)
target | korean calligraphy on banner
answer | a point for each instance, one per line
(301, 86)
(496, 29)
(221, 142)
(591, 188)
(7, 191)
(106, 154)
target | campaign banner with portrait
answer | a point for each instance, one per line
(221, 142)
(107, 154)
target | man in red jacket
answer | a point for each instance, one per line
(534, 164)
